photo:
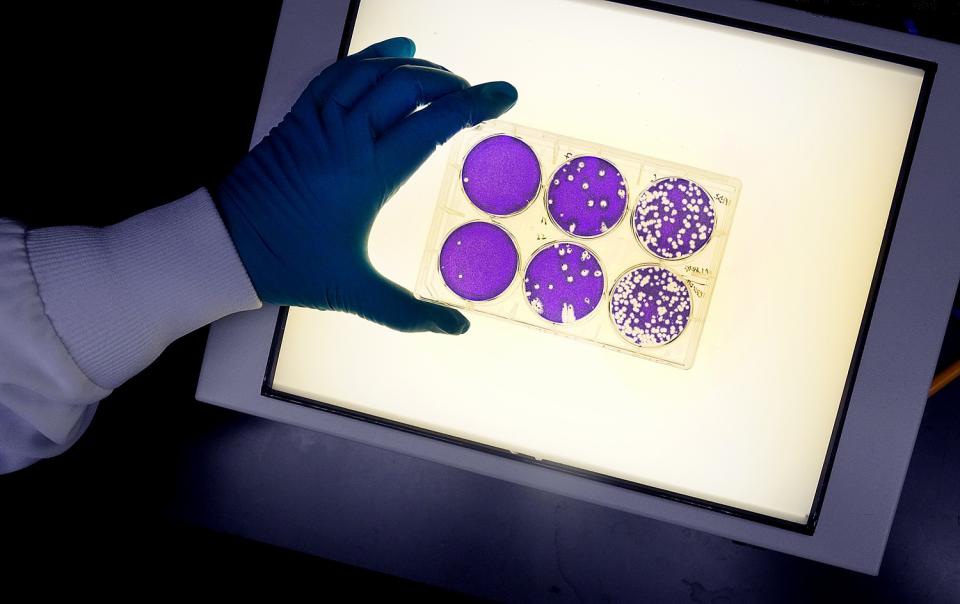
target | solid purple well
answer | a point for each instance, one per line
(650, 305)
(587, 196)
(478, 261)
(674, 218)
(501, 175)
(563, 282)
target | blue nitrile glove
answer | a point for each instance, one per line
(300, 205)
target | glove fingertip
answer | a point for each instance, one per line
(496, 98)
(502, 91)
(451, 322)
(401, 46)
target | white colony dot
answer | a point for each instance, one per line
(587, 186)
(589, 203)
(597, 273)
(556, 181)
(573, 226)
(465, 179)
(549, 285)
(569, 278)
(460, 276)
(458, 242)
(563, 267)
(549, 202)
(602, 173)
(580, 165)
(603, 203)
(621, 193)
(570, 177)
(584, 273)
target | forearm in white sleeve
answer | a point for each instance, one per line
(83, 309)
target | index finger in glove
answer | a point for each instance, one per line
(401, 91)
(408, 144)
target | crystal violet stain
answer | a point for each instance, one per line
(501, 175)
(478, 261)
(674, 218)
(650, 306)
(563, 282)
(586, 196)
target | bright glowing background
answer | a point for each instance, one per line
(817, 138)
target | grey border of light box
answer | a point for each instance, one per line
(896, 365)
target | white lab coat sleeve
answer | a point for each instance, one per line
(83, 309)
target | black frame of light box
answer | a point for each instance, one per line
(929, 68)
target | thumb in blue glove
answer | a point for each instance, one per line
(299, 207)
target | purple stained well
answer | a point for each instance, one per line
(563, 282)
(501, 175)
(650, 305)
(674, 218)
(478, 261)
(587, 196)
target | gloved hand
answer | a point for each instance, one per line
(299, 207)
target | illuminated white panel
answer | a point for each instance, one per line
(817, 138)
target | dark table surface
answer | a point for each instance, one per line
(165, 489)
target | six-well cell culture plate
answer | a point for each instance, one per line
(578, 239)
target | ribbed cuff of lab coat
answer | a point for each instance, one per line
(117, 296)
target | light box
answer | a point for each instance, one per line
(793, 426)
